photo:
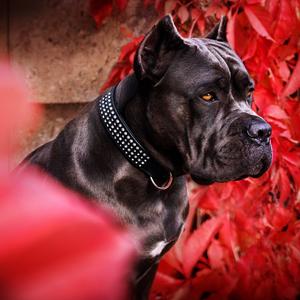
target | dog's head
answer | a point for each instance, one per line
(199, 104)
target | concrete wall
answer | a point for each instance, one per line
(64, 57)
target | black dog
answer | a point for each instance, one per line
(185, 110)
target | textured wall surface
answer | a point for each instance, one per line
(3, 29)
(64, 56)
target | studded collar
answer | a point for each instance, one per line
(128, 144)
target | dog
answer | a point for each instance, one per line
(185, 110)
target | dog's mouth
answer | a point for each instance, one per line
(265, 162)
(236, 170)
(204, 181)
(201, 180)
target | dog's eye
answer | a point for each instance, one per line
(207, 97)
(249, 94)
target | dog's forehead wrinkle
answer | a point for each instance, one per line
(222, 63)
(224, 50)
(235, 65)
(210, 56)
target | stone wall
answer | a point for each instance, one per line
(64, 57)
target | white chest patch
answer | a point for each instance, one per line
(158, 247)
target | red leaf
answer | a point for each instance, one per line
(183, 14)
(148, 2)
(122, 4)
(201, 25)
(216, 8)
(251, 47)
(195, 14)
(228, 237)
(213, 282)
(292, 158)
(170, 6)
(197, 243)
(124, 64)
(215, 254)
(100, 10)
(284, 70)
(286, 22)
(280, 217)
(257, 15)
(238, 27)
(276, 112)
(52, 243)
(294, 82)
(164, 284)
(231, 30)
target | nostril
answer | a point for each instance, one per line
(259, 130)
(269, 132)
(261, 133)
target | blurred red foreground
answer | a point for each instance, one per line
(53, 244)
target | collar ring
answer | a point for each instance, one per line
(166, 185)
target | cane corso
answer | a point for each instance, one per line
(186, 109)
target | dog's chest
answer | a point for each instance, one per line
(163, 223)
(158, 248)
(156, 216)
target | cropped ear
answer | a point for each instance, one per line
(156, 51)
(219, 31)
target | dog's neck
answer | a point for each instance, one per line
(132, 105)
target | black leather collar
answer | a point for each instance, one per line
(124, 138)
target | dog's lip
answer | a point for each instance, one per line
(201, 180)
(265, 166)
(264, 163)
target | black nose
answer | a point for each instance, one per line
(259, 130)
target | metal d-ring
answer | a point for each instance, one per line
(166, 185)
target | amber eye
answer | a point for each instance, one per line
(207, 97)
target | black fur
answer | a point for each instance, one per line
(212, 141)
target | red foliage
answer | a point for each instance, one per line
(124, 65)
(53, 245)
(104, 8)
(56, 247)
(249, 245)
